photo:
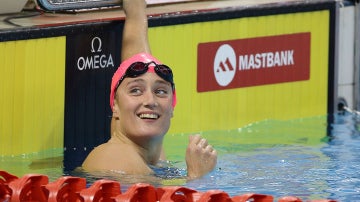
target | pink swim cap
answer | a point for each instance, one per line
(140, 57)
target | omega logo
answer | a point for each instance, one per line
(98, 40)
(97, 59)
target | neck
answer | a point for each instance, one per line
(148, 148)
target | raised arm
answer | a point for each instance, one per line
(135, 33)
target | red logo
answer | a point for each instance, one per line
(253, 62)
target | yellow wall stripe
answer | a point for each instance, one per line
(32, 95)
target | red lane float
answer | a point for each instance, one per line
(36, 187)
(65, 188)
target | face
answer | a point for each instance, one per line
(143, 106)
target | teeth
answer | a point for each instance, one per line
(149, 116)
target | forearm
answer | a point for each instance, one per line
(135, 33)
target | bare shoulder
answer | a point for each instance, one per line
(97, 158)
(109, 156)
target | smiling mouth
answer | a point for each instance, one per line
(149, 116)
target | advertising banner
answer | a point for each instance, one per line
(91, 60)
(253, 62)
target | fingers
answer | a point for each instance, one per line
(201, 157)
(203, 143)
(200, 146)
(209, 148)
(197, 139)
(194, 139)
(199, 142)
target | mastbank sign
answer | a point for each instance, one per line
(253, 62)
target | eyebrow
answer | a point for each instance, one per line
(157, 81)
(136, 80)
(161, 81)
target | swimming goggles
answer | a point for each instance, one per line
(138, 68)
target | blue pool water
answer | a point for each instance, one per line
(298, 166)
(279, 158)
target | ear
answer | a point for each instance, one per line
(115, 110)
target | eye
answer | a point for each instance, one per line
(135, 91)
(161, 92)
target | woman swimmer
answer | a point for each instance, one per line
(142, 100)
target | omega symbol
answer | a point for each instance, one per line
(96, 41)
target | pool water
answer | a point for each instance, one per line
(278, 158)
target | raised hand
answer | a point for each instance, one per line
(201, 157)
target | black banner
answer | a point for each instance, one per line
(91, 59)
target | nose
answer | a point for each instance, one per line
(150, 99)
